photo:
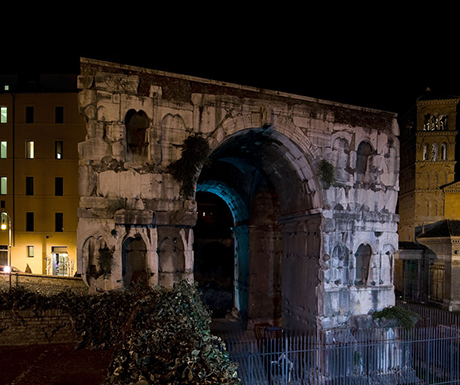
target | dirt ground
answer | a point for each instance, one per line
(59, 364)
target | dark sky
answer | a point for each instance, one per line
(379, 59)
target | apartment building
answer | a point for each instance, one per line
(40, 127)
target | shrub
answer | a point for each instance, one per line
(170, 343)
(161, 336)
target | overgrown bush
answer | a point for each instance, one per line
(170, 343)
(161, 336)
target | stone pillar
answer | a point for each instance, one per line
(301, 291)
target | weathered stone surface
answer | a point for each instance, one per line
(311, 249)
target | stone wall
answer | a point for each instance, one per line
(311, 248)
(24, 327)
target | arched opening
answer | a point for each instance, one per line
(363, 258)
(270, 190)
(214, 253)
(134, 262)
(137, 123)
(362, 160)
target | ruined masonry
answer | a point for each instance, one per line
(312, 186)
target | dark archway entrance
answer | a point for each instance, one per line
(214, 253)
(252, 172)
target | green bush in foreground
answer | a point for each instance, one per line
(161, 336)
(170, 343)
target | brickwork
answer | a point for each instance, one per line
(24, 327)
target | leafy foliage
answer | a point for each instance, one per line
(195, 152)
(406, 318)
(180, 351)
(326, 173)
(161, 335)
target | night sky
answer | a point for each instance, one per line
(381, 59)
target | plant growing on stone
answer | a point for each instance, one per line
(195, 152)
(405, 318)
(326, 173)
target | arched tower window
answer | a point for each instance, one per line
(427, 122)
(443, 123)
(425, 152)
(434, 151)
(444, 151)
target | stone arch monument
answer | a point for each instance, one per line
(303, 194)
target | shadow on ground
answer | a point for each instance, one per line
(57, 364)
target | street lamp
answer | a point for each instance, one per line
(6, 223)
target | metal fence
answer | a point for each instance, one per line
(384, 356)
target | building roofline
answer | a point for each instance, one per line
(126, 67)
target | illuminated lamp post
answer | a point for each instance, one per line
(3, 226)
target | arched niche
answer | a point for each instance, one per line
(134, 262)
(171, 260)
(363, 154)
(362, 263)
(137, 124)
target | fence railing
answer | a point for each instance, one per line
(431, 316)
(382, 356)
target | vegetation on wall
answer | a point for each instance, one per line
(160, 335)
(405, 318)
(106, 261)
(326, 173)
(195, 152)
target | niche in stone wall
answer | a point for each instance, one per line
(171, 261)
(137, 124)
(340, 150)
(363, 258)
(362, 159)
(134, 262)
(339, 265)
(94, 249)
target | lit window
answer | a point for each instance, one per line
(59, 149)
(30, 251)
(30, 149)
(3, 114)
(3, 146)
(3, 185)
(7, 87)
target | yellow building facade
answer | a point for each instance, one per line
(40, 130)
